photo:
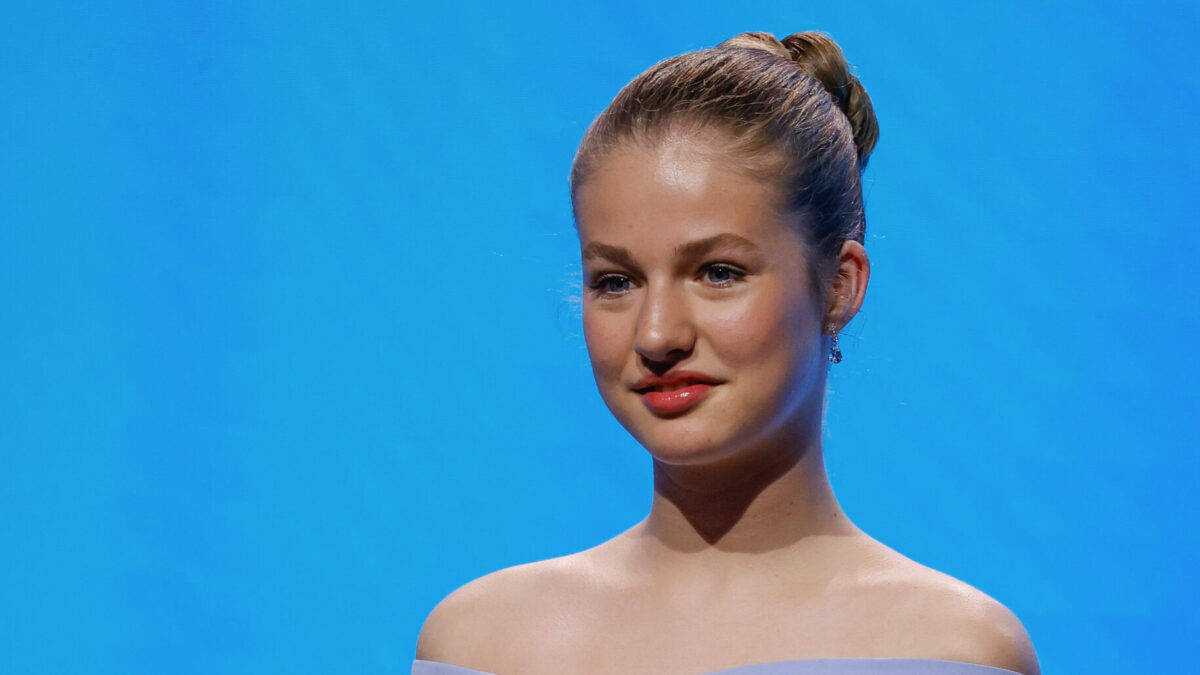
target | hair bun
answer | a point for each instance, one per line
(818, 55)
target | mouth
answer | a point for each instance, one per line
(673, 382)
(669, 388)
(676, 398)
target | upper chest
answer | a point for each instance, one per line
(648, 630)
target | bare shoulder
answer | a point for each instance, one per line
(948, 618)
(479, 624)
(992, 635)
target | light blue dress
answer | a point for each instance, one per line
(801, 667)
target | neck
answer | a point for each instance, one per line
(775, 499)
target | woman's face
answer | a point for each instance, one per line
(689, 267)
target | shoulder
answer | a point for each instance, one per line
(476, 624)
(959, 622)
(992, 635)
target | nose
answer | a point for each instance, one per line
(665, 330)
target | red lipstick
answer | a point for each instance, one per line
(676, 392)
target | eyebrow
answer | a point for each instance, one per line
(692, 250)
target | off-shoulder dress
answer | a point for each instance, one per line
(838, 666)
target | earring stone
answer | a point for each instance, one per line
(835, 353)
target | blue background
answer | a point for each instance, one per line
(292, 344)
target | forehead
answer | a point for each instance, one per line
(678, 190)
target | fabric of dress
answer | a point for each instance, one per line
(802, 667)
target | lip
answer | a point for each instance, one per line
(696, 388)
(678, 401)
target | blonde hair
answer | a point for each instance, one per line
(791, 113)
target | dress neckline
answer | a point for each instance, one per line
(750, 669)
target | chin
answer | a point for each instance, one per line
(681, 443)
(696, 437)
(675, 455)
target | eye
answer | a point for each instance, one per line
(610, 285)
(721, 275)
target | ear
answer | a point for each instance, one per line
(849, 285)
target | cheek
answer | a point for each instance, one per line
(763, 331)
(608, 341)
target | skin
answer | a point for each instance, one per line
(746, 556)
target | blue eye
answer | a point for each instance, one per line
(722, 275)
(610, 284)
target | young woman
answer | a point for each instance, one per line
(719, 209)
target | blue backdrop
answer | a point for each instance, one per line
(291, 339)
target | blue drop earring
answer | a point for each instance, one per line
(835, 353)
